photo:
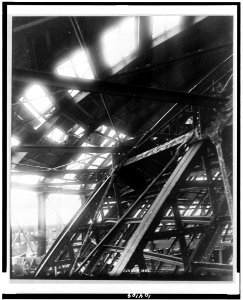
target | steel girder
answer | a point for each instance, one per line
(120, 241)
(118, 89)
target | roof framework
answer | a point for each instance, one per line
(140, 142)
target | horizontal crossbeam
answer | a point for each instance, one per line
(63, 149)
(160, 148)
(46, 173)
(118, 89)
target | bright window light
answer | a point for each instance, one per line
(73, 93)
(69, 176)
(110, 163)
(57, 135)
(76, 65)
(57, 180)
(122, 136)
(104, 142)
(79, 132)
(111, 133)
(24, 208)
(14, 141)
(102, 129)
(84, 157)
(85, 144)
(105, 155)
(98, 161)
(161, 24)
(26, 179)
(37, 96)
(111, 144)
(93, 167)
(58, 209)
(120, 42)
(72, 187)
(36, 100)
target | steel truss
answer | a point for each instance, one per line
(178, 224)
(164, 209)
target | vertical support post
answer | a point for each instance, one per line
(217, 141)
(211, 192)
(181, 235)
(225, 178)
(41, 249)
(118, 201)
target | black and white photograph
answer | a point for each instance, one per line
(121, 164)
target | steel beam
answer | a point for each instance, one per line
(46, 173)
(151, 255)
(31, 24)
(63, 149)
(51, 190)
(176, 233)
(116, 89)
(154, 210)
(79, 219)
(157, 149)
(41, 250)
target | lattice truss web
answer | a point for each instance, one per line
(190, 229)
(156, 203)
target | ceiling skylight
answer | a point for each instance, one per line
(38, 98)
(37, 101)
(69, 176)
(120, 41)
(57, 135)
(98, 161)
(161, 24)
(76, 65)
(14, 141)
(102, 129)
(80, 162)
(79, 132)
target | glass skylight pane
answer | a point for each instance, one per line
(76, 66)
(73, 166)
(98, 161)
(14, 141)
(34, 92)
(69, 176)
(105, 155)
(73, 93)
(102, 129)
(112, 53)
(66, 69)
(57, 180)
(84, 156)
(111, 144)
(93, 167)
(38, 98)
(79, 131)
(122, 136)
(127, 37)
(57, 135)
(111, 133)
(161, 24)
(72, 187)
(119, 42)
(104, 142)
